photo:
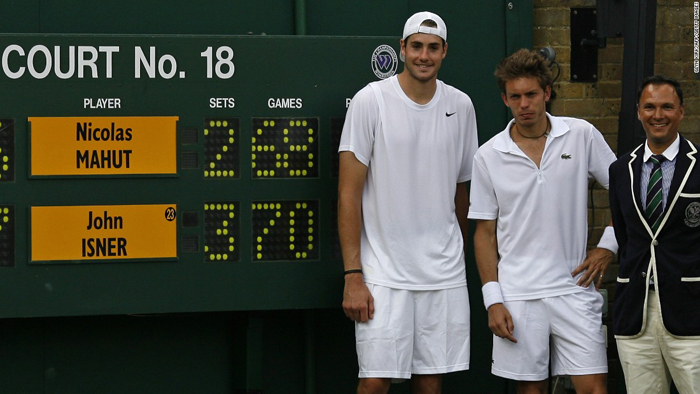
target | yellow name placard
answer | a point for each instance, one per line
(103, 232)
(103, 145)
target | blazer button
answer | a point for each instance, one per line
(655, 242)
(644, 274)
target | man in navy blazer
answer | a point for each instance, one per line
(656, 312)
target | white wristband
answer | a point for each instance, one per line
(608, 240)
(492, 294)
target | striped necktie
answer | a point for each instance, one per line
(655, 207)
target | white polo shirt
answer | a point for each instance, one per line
(541, 213)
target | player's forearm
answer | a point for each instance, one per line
(486, 251)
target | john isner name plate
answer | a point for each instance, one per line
(103, 232)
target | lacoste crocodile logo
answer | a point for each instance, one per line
(566, 156)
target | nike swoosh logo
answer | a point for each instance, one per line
(448, 114)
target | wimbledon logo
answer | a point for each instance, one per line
(384, 62)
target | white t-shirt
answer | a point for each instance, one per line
(416, 155)
(541, 213)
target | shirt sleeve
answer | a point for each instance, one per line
(471, 142)
(600, 158)
(361, 121)
(482, 199)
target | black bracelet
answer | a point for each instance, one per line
(354, 271)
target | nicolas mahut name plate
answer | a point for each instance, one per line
(103, 146)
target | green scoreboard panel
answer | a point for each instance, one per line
(160, 174)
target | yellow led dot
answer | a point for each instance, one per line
(225, 257)
(278, 206)
(291, 172)
(218, 232)
(311, 238)
(278, 164)
(0, 228)
(311, 230)
(260, 131)
(252, 139)
(286, 140)
(231, 215)
(304, 148)
(254, 156)
(218, 156)
(260, 148)
(265, 123)
(311, 164)
(253, 164)
(218, 172)
(286, 165)
(212, 257)
(311, 156)
(299, 172)
(292, 148)
(304, 205)
(260, 206)
(303, 255)
(206, 207)
(272, 148)
(231, 140)
(311, 222)
(253, 148)
(292, 222)
(212, 165)
(218, 206)
(303, 123)
(311, 213)
(206, 174)
(291, 231)
(286, 131)
(5, 219)
(278, 156)
(225, 222)
(206, 131)
(266, 206)
(231, 248)
(298, 123)
(259, 239)
(6, 211)
(311, 140)
(218, 123)
(286, 156)
(291, 247)
(272, 222)
(311, 131)
(266, 148)
(225, 123)
(225, 231)
(311, 246)
(259, 172)
(266, 173)
(259, 256)
(298, 255)
(291, 238)
(272, 123)
(230, 131)
(265, 231)
(272, 172)
(291, 214)
(230, 240)
(298, 205)
(291, 123)
(212, 123)
(259, 248)
(206, 248)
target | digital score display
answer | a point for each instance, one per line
(221, 152)
(103, 145)
(103, 232)
(221, 229)
(285, 230)
(284, 147)
(7, 150)
(7, 236)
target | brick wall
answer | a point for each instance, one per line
(599, 102)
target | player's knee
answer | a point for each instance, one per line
(373, 386)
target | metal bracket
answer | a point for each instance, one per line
(584, 45)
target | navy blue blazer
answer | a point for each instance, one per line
(673, 252)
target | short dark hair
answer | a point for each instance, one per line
(524, 63)
(659, 79)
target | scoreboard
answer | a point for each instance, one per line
(161, 174)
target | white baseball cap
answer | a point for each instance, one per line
(413, 26)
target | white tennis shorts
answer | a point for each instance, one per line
(569, 326)
(414, 332)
